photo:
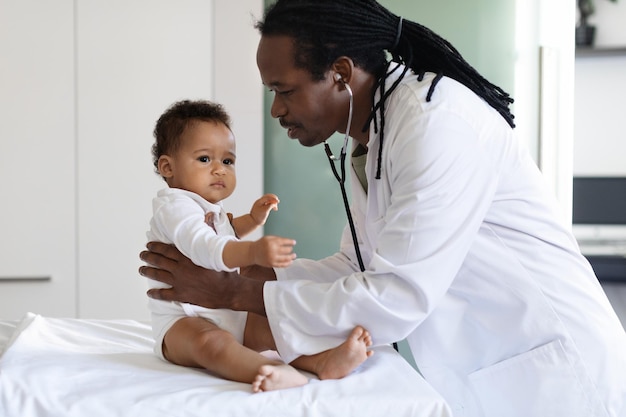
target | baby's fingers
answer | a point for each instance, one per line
(284, 261)
(270, 200)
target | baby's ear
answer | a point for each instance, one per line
(165, 166)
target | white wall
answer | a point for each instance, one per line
(556, 107)
(600, 88)
(610, 18)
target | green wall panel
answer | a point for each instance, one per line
(482, 30)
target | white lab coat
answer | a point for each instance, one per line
(466, 256)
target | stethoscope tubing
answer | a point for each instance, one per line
(341, 177)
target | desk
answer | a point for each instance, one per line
(609, 268)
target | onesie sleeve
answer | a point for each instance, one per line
(181, 221)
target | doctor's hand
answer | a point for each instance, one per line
(193, 284)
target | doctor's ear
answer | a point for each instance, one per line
(342, 70)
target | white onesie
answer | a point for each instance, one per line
(179, 217)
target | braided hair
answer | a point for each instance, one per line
(377, 41)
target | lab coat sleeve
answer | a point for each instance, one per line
(439, 180)
(178, 220)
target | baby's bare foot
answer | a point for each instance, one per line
(340, 361)
(274, 377)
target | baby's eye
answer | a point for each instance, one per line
(203, 159)
(229, 161)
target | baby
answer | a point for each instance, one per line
(195, 154)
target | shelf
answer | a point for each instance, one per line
(582, 51)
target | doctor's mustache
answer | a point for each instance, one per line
(286, 125)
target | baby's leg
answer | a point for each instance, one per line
(330, 364)
(257, 334)
(340, 361)
(196, 342)
(270, 377)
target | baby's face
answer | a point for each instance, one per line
(205, 162)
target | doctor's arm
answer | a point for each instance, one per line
(196, 285)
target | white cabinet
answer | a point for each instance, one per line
(37, 158)
(86, 82)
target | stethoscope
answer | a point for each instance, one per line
(341, 177)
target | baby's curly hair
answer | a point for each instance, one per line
(177, 118)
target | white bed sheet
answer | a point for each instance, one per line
(89, 368)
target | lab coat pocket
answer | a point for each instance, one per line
(540, 382)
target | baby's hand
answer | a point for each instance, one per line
(261, 208)
(274, 251)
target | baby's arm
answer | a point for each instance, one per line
(179, 220)
(261, 208)
(269, 251)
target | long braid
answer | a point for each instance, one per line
(364, 30)
(439, 56)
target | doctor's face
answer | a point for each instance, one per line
(306, 108)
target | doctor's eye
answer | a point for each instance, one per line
(280, 92)
(229, 161)
(203, 159)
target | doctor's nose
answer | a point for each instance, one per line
(278, 108)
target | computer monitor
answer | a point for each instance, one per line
(599, 200)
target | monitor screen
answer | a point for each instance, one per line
(599, 200)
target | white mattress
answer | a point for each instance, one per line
(88, 368)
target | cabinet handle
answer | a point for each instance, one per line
(25, 279)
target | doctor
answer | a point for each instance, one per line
(463, 250)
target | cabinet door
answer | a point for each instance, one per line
(134, 59)
(37, 149)
(81, 86)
